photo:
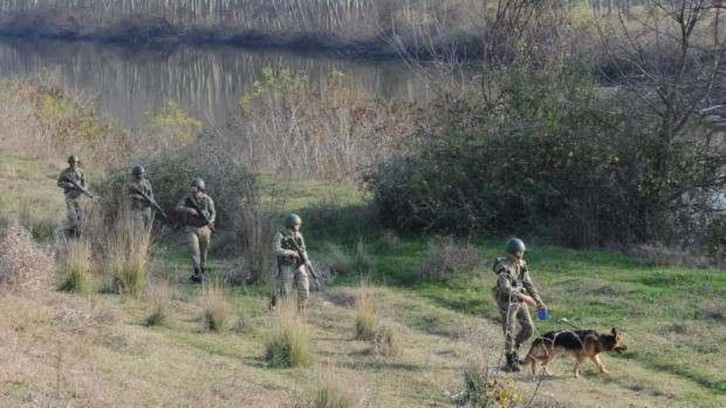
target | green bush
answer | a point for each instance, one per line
(552, 157)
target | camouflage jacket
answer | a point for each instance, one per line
(185, 206)
(69, 189)
(513, 278)
(133, 187)
(284, 247)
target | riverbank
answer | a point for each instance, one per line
(344, 36)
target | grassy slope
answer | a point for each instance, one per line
(61, 349)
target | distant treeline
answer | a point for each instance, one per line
(378, 28)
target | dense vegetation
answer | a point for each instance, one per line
(554, 146)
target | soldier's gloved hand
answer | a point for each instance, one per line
(528, 300)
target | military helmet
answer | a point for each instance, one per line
(292, 219)
(138, 169)
(73, 159)
(514, 245)
(198, 183)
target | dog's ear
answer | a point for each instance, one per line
(615, 332)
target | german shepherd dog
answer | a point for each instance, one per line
(581, 344)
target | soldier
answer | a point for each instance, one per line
(138, 187)
(73, 182)
(514, 291)
(289, 247)
(197, 212)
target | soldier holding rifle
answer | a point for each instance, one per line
(73, 182)
(141, 197)
(293, 265)
(197, 212)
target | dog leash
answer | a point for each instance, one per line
(569, 323)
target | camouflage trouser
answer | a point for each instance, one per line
(511, 313)
(74, 212)
(199, 240)
(141, 216)
(286, 276)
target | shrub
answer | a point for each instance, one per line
(342, 129)
(288, 344)
(390, 241)
(716, 239)
(544, 158)
(482, 389)
(445, 258)
(75, 266)
(241, 225)
(216, 310)
(23, 263)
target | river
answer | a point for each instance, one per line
(128, 82)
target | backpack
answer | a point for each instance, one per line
(497, 262)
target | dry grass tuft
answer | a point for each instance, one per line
(445, 258)
(385, 342)
(23, 263)
(289, 342)
(75, 267)
(216, 310)
(337, 260)
(659, 255)
(128, 256)
(361, 263)
(160, 297)
(715, 311)
(364, 262)
(331, 392)
(366, 317)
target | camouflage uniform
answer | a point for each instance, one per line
(513, 278)
(74, 198)
(140, 209)
(290, 269)
(198, 234)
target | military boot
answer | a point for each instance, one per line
(512, 363)
(197, 276)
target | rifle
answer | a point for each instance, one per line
(202, 216)
(306, 261)
(78, 186)
(149, 200)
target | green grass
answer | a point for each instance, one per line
(664, 311)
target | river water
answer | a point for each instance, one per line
(128, 82)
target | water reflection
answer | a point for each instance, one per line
(128, 82)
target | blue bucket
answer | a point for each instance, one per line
(543, 314)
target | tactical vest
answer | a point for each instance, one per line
(189, 201)
(289, 241)
(515, 279)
